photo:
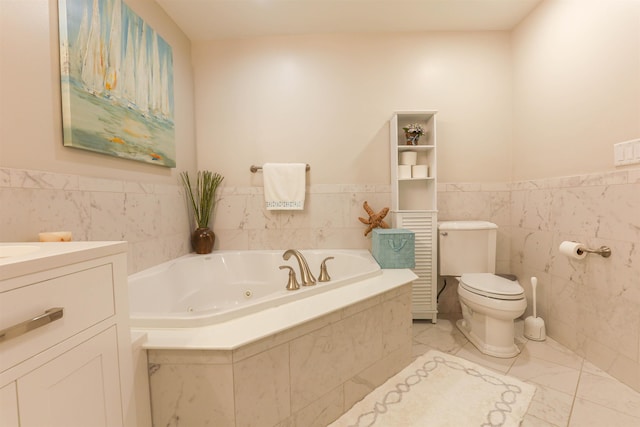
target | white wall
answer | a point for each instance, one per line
(30, 115)
(326, 100)
(576, 86)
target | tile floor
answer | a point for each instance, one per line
(570, 390)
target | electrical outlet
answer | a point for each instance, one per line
(626, 153)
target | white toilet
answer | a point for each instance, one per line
(490, 303)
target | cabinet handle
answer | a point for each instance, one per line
(45, 318)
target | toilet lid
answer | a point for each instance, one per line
(492, 286)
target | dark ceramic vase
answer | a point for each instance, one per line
(202, 240)
(412, 137)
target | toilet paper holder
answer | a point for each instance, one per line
(603, 251)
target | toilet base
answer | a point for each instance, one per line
(501, 351)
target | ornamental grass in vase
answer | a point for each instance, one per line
(203, 199)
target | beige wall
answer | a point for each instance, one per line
(576, 85)
(45, 186)
(30, 116)
(576, 93)
(326, 100)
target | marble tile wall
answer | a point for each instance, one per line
(306, 376)
(592, 306)
(475, 201)
(152, 218)
(329, 219)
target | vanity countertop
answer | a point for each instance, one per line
(21, 258)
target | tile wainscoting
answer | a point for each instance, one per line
(152, 218)
(329, 219)
(475, 201)
(591, 306)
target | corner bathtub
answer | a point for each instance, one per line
(226, 344)
(230, 298)
(197, 290)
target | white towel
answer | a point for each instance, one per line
(284, 185)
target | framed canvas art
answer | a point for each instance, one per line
(116, 81)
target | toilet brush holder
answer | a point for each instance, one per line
(534, 328)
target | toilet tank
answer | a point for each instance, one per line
(466, 247)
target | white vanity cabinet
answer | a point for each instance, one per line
(414, 203)
(65, 348)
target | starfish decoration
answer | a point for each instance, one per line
(375, 219)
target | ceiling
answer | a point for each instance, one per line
(221, 19)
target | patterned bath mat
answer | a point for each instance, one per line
(439, 390)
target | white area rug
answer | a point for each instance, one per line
(439, 390)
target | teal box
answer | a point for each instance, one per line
(394, 247)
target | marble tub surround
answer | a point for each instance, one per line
(329, 219)
(152, 218)
(304, 376)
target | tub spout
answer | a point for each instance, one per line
(305, 273)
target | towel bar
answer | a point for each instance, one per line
(255, 168)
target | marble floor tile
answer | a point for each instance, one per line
(552, 351)
(588, 414)
(471, 353)
(571, 392)
(531, 421)
(545, 373)
(443, 336)
(550, 405)
(608, 392)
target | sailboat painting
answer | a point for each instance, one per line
(116, 77)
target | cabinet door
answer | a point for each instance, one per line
(79, 388)
(9, 406)
(424, 304)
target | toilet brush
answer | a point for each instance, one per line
(533, 325)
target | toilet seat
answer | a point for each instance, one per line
(492, 286)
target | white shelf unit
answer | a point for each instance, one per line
(414, 206)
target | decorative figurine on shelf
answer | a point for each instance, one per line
(376, 220)
(413, 132)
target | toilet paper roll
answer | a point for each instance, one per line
(408, 157)
(420, 171)
(404, 171)
(573, 250)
